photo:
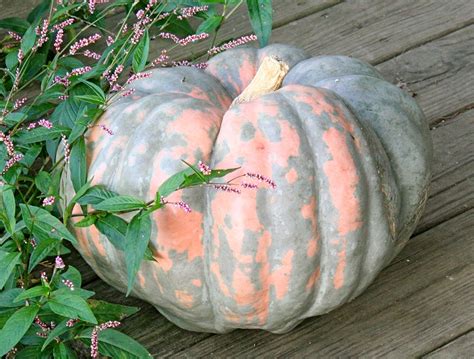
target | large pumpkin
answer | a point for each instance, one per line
(350, 154)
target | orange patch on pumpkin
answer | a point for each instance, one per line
(244, 291)
(343, 180)
(280, 277)
(220, 281)
(184, 298)
(196, 282)
(313, 278)
(341, 265)
(291, 176)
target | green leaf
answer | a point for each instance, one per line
(33, 351)
(59, 329)
(211, 24)
(8, 261)
(86, 221)
(41, 251)
(114, 228)
(78, 165)
(40, 134)
(71, 306)
(73, 275)
(173, 183)
(9, 206)
(136, 242)
(96, 194)
(15, 24)
(140, 55)
(90, 99)
(117, 345)
(43, 181)
(33, 292)
(15, 327)
(14, 117)
(28, 40)
(60, 351)
(120, 204)
(105, 311)
(44, 225)
(7, 298)
(260, 13)
(94, 91)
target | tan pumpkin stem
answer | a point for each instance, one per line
(268, 78)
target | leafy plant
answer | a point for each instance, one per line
(58, 78)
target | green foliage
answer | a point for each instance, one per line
(44, 147)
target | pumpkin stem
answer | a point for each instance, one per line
(268, 78)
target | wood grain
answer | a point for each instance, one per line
(460, 348)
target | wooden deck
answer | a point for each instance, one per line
(422, 304)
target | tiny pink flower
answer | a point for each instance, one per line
(205, 169)
(48, 201)
(106, 129)
(261, 178)
(226, 188)
(249, 185)
(138, 76)
(71, 322)
(231, 44)
(92, 54)
(59, 40)
(45, 123)
(19, 103)
(68, 283)
(83, 43)
(59, 263)
(14, 36)
(95, 336)
(128, 92)
(109, 41)
(67, 149)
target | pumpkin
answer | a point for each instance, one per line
(349, 152)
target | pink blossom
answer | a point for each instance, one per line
(79, 71)
(138, 76)
(106, 129)
(160, 59)
(63, 24)
(67, 149)
(43, 34)
(231, 44)
(185, 41)
(140, 13)
(83, 43)
(114, 77)
(110, 40)
(68, 283)
(200, 65)
(48, 201)
(191, 11)
(71, 322)
(205, 169)
(261, 178)
(128, 92)
(45, 123)
(95, 336)
(91, 5)
(8, 143)
(63, 97)
(226, 188)
(20, 56)
(19, 103)
(14, 36)
(14, 159)
(92, 54)
(59, 40)
(249, 185)
(44, 276)
(59, 263)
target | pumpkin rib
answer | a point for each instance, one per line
(327, 292)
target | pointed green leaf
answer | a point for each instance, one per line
(96, 194)
(71, 306)
(86, 221)
(136, 243)
(33, 292)
(7, 298)
(15, 327)
(8, 261)
(120, 204)
(9, 206)
(77, 164)
(260, 13)
(41, 251)
(28, 40)
(105, 311)
(43, 224)
(140, 55)
(59, 329)
(117, 345)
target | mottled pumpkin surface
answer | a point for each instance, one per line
(350, 155)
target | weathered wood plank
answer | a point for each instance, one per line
(440, 72)
(452, 187)
(17, 8)
(407, 301)
(376, 30)
(459, 348)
